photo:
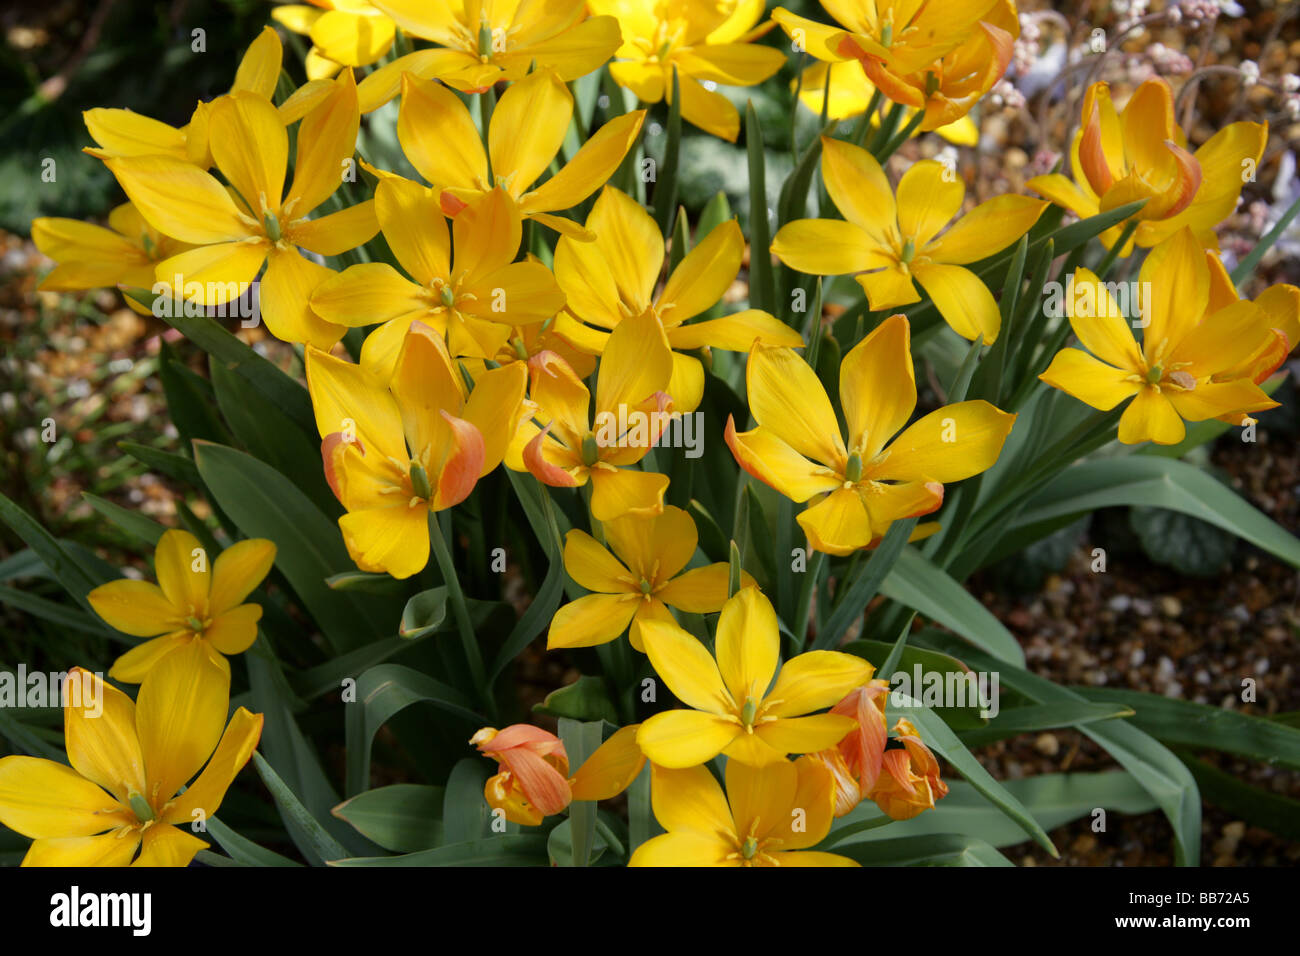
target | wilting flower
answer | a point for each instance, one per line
(940, 57)
(473, 299)
(614, 277)
(864, 486)
(909, 780)
(1176, 373)
(396, 451)
(769, 816)
(734, 712)
(190, 604)
(235, 236)
(562, 448)
(899, 241)
(87, 256)
(534, 781)
(486, 42)
(855, 761)
(524, 137)
(638, 581)
(851, 93)
(1141, 154)
(704, 43)
(344, 33)
(128, 762)
(120, 132)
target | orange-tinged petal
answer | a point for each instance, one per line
(494, 407)
(462, 464)
(543, 785)
(769, 459)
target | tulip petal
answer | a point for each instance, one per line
(748, 645)
(621, 491)
(237, 571)
(1089, 380)
(589, 169)
(686, 666)
(138, 608)
(234, 631)
(168, 846)
(878, 386)
(828, 247)
(702, 277)
(949, 444)
(108, 849)
(528, 128)
(769, 459)
(179, 199)
(786, 397)
(438, 136)
(43, 799)
(286, 291)
(1151, 417)
(815, 680)
(929, 197)
(988, 228)
(590, 620)
(611, 769)
(965, 302)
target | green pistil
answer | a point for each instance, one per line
(448, 297)
(645, 586)
(520, 349)
(149, 245)
(887, 35)
(748, 712)
(1155, 375)
(420, 482)
(194, 623)
(909, 251)
(590, 451)
(931, 85)
(272, 226)
(853, 470)
(749, 848)
(140, 807)
(484, 40)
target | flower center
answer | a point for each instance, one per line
(749, 848)
(272, 226)
(749, 712)
(590, 450)
(1155, 375)
(140, 807)
(420, 481)
(853, 470)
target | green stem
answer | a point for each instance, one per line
(469, 642)
(859, 134)
(901, 137)
(1113, 252)
(807, 588)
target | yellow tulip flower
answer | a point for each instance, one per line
(707, 44)
(753, 824)
(343, 33)
(235, 236)
(396, 451)
(1176, 372)
(121, 132)
(615, 276)
(474, 300)
(865, 485)
(734, 712)
(562, 448)
(638, 582)
(899, 240)
(190, 604)
(484, 42)
(1141, 153)
(940, 57)
(440, 139)
(119, 797)
(87, 256)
